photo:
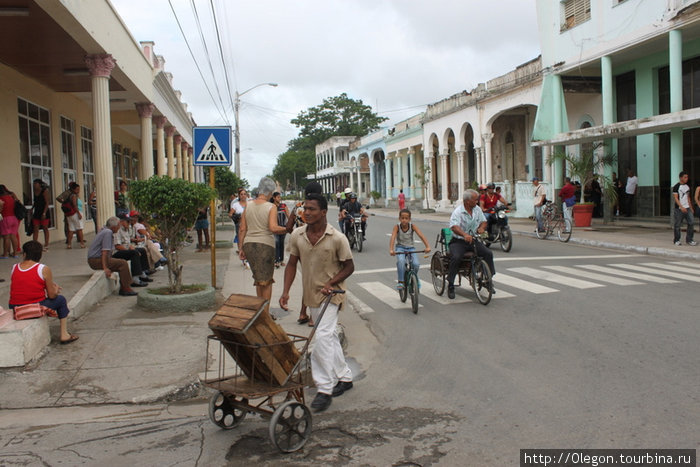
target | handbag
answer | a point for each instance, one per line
(20, 210)
(33, 310)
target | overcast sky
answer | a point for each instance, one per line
(395, 55)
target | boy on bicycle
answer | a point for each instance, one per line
(402, 234)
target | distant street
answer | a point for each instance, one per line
(580, 348)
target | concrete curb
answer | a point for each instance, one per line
(95, 289)
(177, 303)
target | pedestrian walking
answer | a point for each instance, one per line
(74, 217)
(40, 211)
(201, 225)
(282, 216)
(539, 198)
(326, 261)
(402, 200)
(568, 197)
(630, 191)
(9, 223)
(682, 209)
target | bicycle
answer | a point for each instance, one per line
(411, 283)
(553, 220)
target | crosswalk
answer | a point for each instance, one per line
(513, 281)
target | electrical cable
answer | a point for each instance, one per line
(221, 53)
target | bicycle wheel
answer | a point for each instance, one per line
(481, 281)
(540, 233)
(358, 240)
(438, 272)
(547, 228)
(564, 230)
(403, 292)
(412, 288)
(506, 239)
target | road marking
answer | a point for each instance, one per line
(592, 275)
(501, 293)
(511, 281)
(387, 295)
(628, 274)
(443, 300)
(556, 278)
(372, 271)
(693, 266)
(675, 275)
(675, 268)
(548, 258)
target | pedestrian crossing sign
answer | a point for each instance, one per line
(212, 145)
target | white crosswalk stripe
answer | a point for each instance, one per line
(628, 274)
(387, 295)
(673, 267)
(514, 282)
(694, 266)
(675, 275)
(556, 278)
(500, 293)
(429, 292)
(594, 276)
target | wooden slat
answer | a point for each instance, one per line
(245, 301)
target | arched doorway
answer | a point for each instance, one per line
(379, 173)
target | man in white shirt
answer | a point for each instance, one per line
(630, 191)
(683, 209)
(540, 197)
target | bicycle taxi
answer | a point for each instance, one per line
(472, 267)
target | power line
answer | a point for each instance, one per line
(221, 52)
(207, 54)
(195, 61)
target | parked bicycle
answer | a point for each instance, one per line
(553, 220)
(411, 283)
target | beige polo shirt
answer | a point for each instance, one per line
(320, 262)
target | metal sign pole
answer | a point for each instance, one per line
(212, 214)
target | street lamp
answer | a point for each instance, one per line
(237, 132)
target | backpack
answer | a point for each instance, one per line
(20, 210)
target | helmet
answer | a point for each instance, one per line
(347, 191)
(352, 195)
(482, 187)
(491, 185)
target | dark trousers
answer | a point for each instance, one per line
(629, 204)
(678, 217)
(279, 248)
(458, 248)
(137, 260)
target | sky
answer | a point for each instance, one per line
(395, 55)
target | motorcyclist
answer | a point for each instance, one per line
(350, 208)
(487, 202)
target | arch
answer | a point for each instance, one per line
(466, 136)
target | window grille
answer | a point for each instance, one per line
(575, 12)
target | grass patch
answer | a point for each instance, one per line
(186, 289)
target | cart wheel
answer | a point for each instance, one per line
(437, 270)
(223, 414)
(290, 426)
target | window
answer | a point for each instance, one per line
(117, 162)
(68, 163)
(88, 166)
(575, 12)
(35, 150)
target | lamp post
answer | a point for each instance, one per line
(237, 132)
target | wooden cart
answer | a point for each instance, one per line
(269, 372)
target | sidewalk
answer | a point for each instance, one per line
(129, 355)
(641, 236)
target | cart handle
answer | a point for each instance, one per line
(326, 301)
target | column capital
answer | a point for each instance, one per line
(160, 121)
(145, 109)
(487, 137)
(178, 139)
(100, 64)
(185, 146)
(411, 150)
(170, 131)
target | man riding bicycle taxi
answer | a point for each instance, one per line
(351, 208)
(467, 219)
(487, 202)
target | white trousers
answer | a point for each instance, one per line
(328, 365)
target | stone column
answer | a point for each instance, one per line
(177, 140)
(405, 180)
(372, 176)
(185, 161)
(477, 169)
(429, 181)
(145, 111)
(190, 156)
(461, 155)
(443, 179)
(101, 66)
(487, 157)
(169, 150)
(387, 176)
(160, 144)
(413, 182)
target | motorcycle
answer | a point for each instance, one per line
(499, 231)
(353, 231)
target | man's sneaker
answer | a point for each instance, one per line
(692, 243)
(341, 387)
(451, 292)
(399, 286)
(321, 402)
(677, 243)
(160, 268)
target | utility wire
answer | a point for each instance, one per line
(208, 55)
(195, 61)
(221, 54)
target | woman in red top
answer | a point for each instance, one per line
(9, 223)
(32, 282)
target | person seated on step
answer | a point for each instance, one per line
(100, 257)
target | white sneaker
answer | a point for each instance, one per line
(160, 268)
(692, 243)
(678, 243)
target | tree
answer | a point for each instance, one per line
(226, 182)
(171, 204)
(337, 116)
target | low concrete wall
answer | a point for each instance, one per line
(197, 301)
(94, 290)
(22, 341)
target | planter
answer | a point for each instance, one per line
(202, 300)
(583, 213)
